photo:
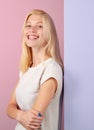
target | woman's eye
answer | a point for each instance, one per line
(28, 26)
(40, 26)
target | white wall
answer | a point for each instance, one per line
(79, 64)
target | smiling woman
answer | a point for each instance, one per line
(35, 100)
(33, 31)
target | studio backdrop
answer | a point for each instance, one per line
(12, 15)
(79, 65)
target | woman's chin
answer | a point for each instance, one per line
(29, 44)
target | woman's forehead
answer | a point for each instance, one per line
(35, 18)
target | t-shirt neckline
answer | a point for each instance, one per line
(31, 68)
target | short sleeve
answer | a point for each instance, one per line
(53, 71)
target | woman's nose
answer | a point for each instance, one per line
(33, 29)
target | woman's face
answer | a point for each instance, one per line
(33, 32)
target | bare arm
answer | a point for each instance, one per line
(47, 91)
(29, 119)
(12, 108)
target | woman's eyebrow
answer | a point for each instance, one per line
(40, 22)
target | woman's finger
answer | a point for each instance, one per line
(35, 123)
(36, 113)
(34, 126)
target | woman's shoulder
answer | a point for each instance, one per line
(52, 69)
(53, 64)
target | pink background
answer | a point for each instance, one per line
(12, 14)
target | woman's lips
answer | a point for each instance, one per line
(32, 37)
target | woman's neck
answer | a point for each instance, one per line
(38, 57)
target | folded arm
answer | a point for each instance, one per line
(29, 119)
(46, 93)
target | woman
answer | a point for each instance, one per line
(35, 100)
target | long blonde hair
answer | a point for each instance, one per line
(52, 47)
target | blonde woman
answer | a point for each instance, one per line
(35, 100)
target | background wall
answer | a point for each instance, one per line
(12, 14)
(79, 64)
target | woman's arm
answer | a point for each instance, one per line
(12, 109)
(29, 119)
(47, 91)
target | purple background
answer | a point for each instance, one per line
(79, 65)
(12, 14)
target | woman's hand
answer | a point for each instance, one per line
(30, 119)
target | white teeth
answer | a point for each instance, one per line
(32, 37)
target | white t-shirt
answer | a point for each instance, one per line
(28, 89)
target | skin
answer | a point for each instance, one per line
(36, 39)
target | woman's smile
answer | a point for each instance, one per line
(33, 32)
(32, 37)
